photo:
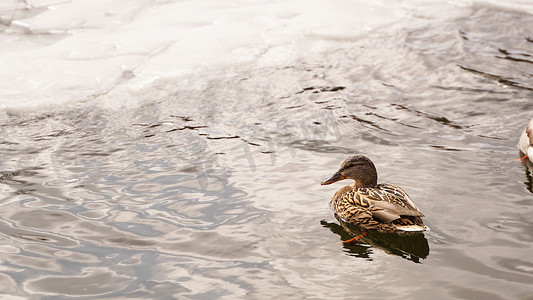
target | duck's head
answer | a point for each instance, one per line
(359, 168)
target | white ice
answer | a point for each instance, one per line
(55, 51)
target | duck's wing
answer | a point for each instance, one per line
(397, 195)
(388, 203)
(387, 212)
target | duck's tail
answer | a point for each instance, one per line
(413, 228)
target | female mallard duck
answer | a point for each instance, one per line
(526, 141)
(383, 207)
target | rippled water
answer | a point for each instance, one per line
(210, 188)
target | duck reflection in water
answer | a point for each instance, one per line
(411, 247)
(384, 208)
(528, 169)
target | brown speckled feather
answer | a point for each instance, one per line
(384, 207)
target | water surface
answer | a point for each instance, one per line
(210, 187)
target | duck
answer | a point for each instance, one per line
(526, 141)
(372, 206)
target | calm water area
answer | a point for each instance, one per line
(206, 185)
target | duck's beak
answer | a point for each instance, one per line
(336, 177)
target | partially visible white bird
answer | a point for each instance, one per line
(526, 141)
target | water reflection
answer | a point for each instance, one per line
(91, 282)
(200, 193)
(411, 247)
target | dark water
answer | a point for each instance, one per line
(212, 189)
